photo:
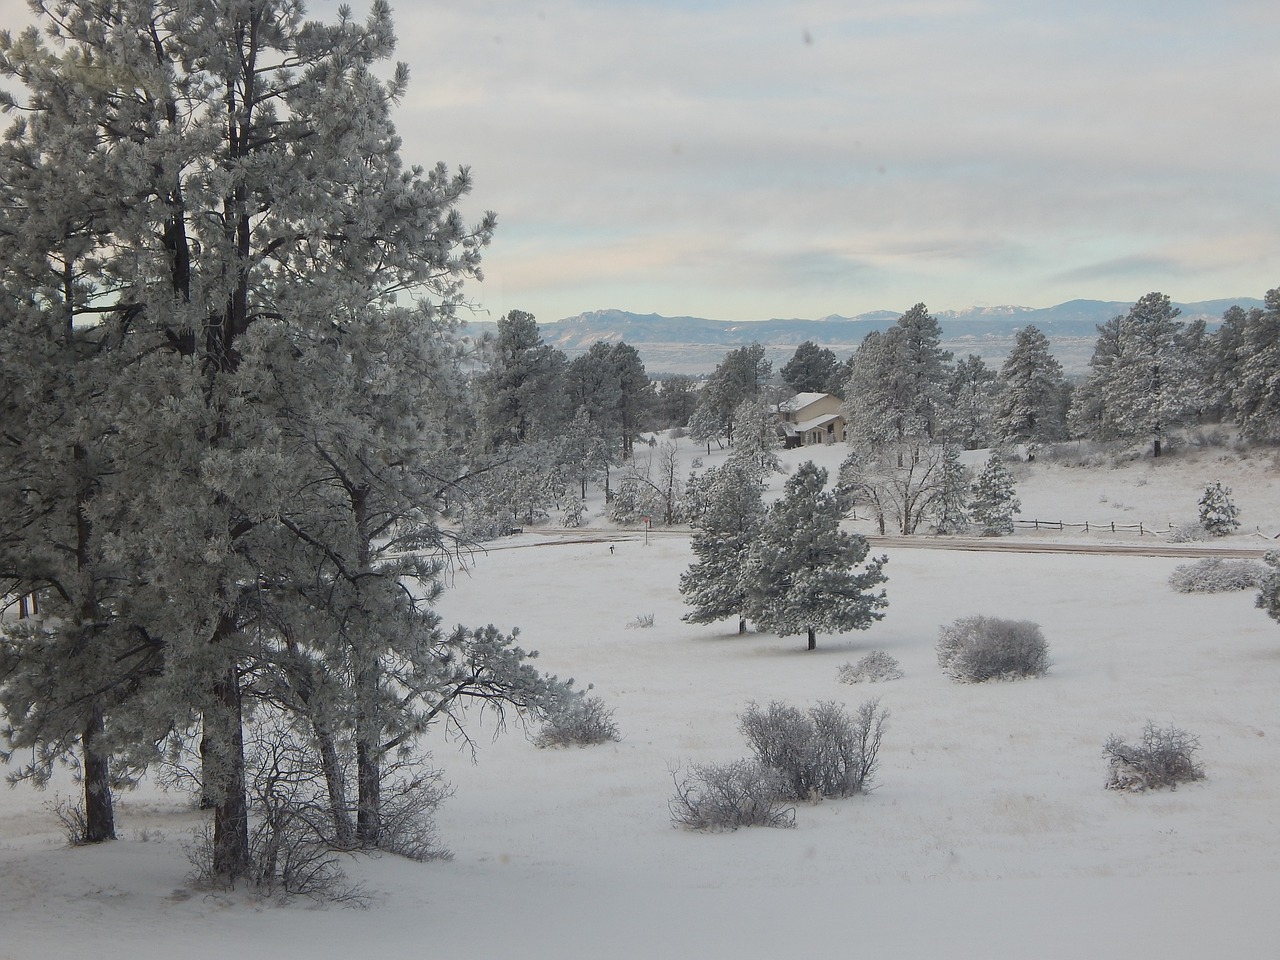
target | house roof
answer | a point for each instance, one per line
(821, 421)
(800, 401)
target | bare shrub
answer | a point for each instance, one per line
(642, 621)
(824, 753)
(411, 794)
(1217, 575)
(582, 722)
(727, 796)
(875, 667)
(975, 649)
(1164, 758)
(71, 816)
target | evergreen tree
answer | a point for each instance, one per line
(950, 507)
(1218, 514)
(523, 394)
(1028, 407)
(677, 397)
(811, 369)
(240, 233)
(971, 390)
(1091, 413)
(717, 584)
(757, 436)
(1255, 388)
(897, 387)
(738, 377)
(635, 395)
(994, 502)
(1146, 376)
(803, 565)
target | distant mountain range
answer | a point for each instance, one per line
(694, 345)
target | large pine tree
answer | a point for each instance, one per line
(1029, 406)
(805, 566)
(717, 584)
(240, 228)
(1147, 375)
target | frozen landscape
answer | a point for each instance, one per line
(988, 835)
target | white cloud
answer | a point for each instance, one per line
(753, 159)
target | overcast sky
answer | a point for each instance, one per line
(745, 160)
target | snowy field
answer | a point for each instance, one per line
(989, 834)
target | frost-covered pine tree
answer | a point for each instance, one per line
(806, 569)
(993, 503)
(730, 512)
(1254, 395)
(950, 507)
(252, 230)
(1028, 407)
(756, 435)
(898, 380)
(1268, 598)
(972, 389)
(522, 394)
(1146, 375)
(1218, 514)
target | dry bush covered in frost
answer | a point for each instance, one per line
(582, 723)
(1165, 757)
(875, 667)
(974, 649)
(726, 796)
(1217, 575)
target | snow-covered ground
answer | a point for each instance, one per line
(989, 836)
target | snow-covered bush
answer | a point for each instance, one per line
(1186, 532)
(582, 723)
(1218, 515)
(1164, 758)
(974, 649)
(822, 753)
(715, 796)
(1217, 575)
(875, 667)
(643, 621)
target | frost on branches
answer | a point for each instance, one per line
(806, 569)
(1218, 515)
(993, 504)
(245, 283)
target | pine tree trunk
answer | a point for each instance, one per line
(813, 639)
(343, 832)
(369, 802)
(224, 778)
(742, 625)
(99, 811)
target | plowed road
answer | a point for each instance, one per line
(974, 544)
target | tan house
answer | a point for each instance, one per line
(810, 418)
